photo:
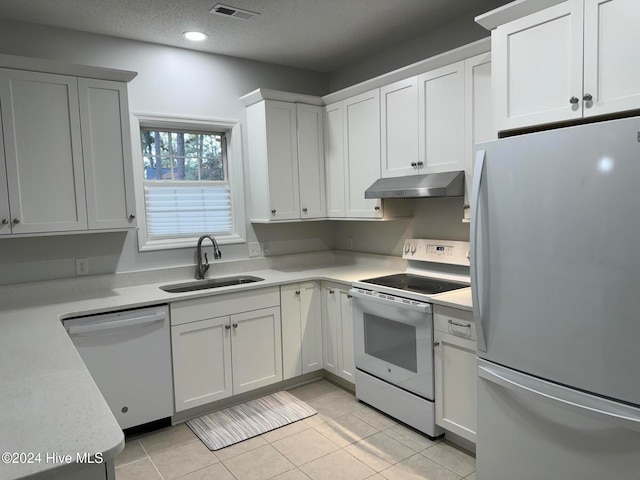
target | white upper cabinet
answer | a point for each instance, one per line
(43, 152)
(334, 158)
(537, 63)
(479, 126)
(611, 45)
(441, 119)
(273, 160)
(286, 160)
(311, 172)
(399, 116)
(362, 153)
(565, 62)
(106, 146)
(65, 164)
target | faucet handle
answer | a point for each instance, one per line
(205, 265)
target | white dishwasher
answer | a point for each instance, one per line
(128, 354)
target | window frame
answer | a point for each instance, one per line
(234, 171)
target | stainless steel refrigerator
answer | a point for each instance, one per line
(555, 249)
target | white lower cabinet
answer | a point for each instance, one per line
(256, 349)
(301, 308)
(455, 371)
(338, 331)
(201, 362)
(237, 350)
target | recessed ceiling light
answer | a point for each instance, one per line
(195, 36)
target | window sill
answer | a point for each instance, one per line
(187, 242)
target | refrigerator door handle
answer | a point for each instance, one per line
(476, 261)
(607, 411)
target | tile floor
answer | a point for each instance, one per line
(345, 440)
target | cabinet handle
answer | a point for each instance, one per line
(414, 164)
(451, 322)
(297, 292)
(349, 295)
(5, 221)
(16, 221)
(227, 327)
(376, 208)
(574, 100)
(273, 212)
(235, 325)
(132, 217)
(466, 205)
(305, 210)
(435, 344)
(587, 97)
(331, 292)
(420, 164)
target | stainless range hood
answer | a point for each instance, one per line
(448, 184)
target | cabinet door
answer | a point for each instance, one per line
(362, 152)
(282, 158)
(257, 349)
(399, 128)
(334, 158)
(201, 362)
(537, 62)
(330, 328)
(43, 151)
(455, 384)
(291, 331)
(346, 355)
(611, 45)
(311, 326)
(441, 110)
(106, 148)
(5, 214)
(311, 161)
(479, 125)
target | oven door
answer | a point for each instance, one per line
(394, 341)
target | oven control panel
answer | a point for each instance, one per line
(440, 251)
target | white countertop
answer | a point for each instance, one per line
(48, 400)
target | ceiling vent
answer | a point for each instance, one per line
(234, 12)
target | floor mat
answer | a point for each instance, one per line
(241, 422)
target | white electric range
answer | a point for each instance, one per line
(393, 330)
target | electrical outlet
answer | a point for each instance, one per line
(255, 250)
(82, 266)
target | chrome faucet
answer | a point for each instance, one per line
(201, 268)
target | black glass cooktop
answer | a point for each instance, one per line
(416, 283)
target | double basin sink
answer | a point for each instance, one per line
(211, 283)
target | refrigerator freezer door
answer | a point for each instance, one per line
(558, 217)
(529, 433)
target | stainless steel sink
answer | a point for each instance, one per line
(211, 283)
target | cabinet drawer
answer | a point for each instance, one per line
(219, 305)
(454, 321)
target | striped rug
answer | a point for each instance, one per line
(241, 422)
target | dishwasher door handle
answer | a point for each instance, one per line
(113, 324)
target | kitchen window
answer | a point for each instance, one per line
(185, 174)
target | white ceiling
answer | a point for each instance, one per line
(320, 35)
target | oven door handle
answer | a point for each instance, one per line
(421, 307)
